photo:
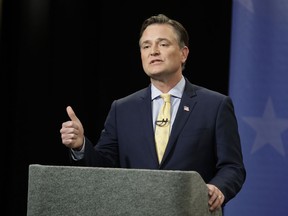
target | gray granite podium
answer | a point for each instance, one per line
(87, 191)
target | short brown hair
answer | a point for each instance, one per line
(183, 37)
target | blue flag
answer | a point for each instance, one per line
(259, 88)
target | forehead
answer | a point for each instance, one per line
(155, 31)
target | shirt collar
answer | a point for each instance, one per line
(177, 91)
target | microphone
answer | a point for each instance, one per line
(162, 123)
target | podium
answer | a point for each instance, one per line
(89, 191)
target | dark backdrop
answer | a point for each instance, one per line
(56, 53)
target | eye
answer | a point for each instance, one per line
(145, 46)
(163, 44)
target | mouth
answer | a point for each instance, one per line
(155, 61)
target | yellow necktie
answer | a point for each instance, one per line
(162, 129)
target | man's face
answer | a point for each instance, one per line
(160, 52)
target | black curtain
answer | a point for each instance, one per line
(56, 53)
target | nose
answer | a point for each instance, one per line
(154, 51)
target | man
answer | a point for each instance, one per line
(203, 128)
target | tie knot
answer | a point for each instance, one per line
(166, 97)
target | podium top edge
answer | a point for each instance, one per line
(31, 166)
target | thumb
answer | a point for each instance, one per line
(71, 114)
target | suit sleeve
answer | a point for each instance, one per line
(230, 168)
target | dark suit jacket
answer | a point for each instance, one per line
(204, 138)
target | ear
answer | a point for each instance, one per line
(185, 52)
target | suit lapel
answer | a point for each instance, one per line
(146, 115)
(186, 106)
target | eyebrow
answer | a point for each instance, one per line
(158, 40)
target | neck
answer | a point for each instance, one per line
(165, 85)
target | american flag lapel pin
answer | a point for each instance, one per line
(186, 108)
